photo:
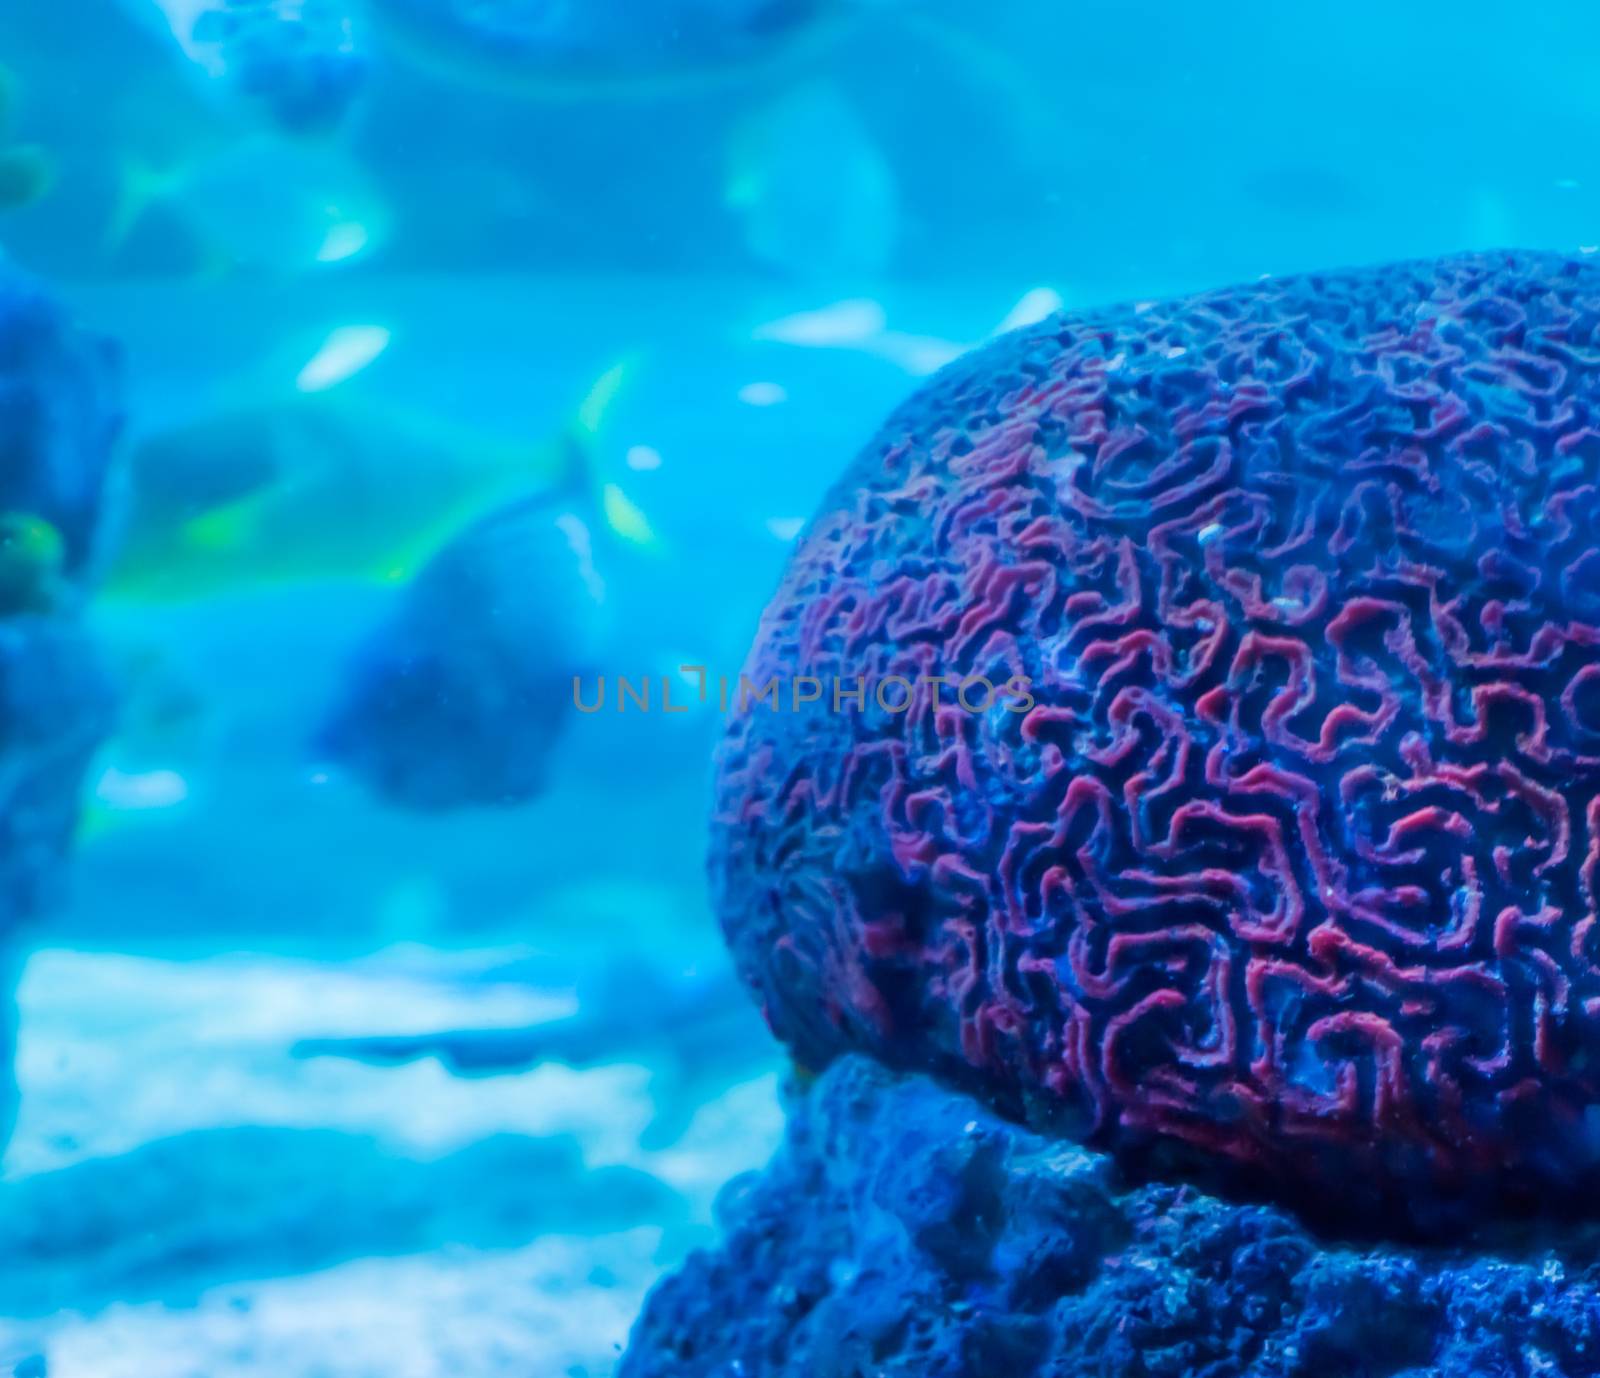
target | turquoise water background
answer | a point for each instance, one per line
(778, 253)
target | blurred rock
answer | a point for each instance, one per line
(56, 705)
(299, 61)
(904, 1230)
(59, 419)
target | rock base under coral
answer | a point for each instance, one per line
(903, 1231)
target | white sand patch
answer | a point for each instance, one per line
(116, 1051)
(561, 1306)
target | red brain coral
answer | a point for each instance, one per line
(1289, 850)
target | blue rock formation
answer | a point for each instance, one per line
(904, 1231)
(59, 418)
(56, 705)
(299, 61)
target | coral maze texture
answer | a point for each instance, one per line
(1289, 854)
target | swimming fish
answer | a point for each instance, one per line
(459, 697)
(816, 195)
(260, 202)
(316, 488)
(297, 61)
(579, 46)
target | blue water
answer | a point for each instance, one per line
(219, 1168)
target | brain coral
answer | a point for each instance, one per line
(1286, 853)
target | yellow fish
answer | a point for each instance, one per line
(317, 489)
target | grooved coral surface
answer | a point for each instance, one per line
(904, 1232)
(1289, 852)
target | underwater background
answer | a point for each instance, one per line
(376, 1021)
